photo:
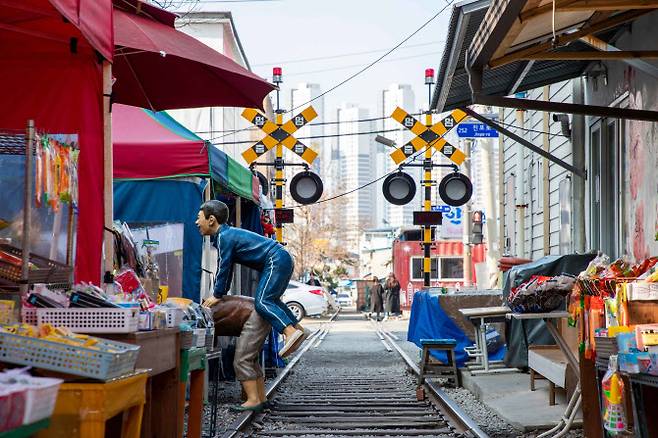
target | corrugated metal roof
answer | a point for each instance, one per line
(452, 89)
(465, 21)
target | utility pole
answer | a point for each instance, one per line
(468, 256)
(277, 135)
(279, 179)
(488, 169)
(427, 183)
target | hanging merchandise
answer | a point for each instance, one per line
(56, 171)
(614, 415)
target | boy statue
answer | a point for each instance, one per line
(267, 256)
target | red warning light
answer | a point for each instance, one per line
(429, 75)
(277, 75)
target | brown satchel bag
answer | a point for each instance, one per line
(230, 312)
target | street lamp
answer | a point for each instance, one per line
(385, 141)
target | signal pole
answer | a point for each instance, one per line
(427, 182)
(468, 255)
(279, 179)
(277, 135)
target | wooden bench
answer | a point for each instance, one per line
(550, 363)
(429, 366)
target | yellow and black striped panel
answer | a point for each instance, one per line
(301, 119)
(252, 154)
(408, 121)
(448, 122)
(307, 154)
(456, 155)
(259, 120)
(403, 152)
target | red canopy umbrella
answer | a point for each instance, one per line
(159, 67)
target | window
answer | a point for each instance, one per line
(417, 268)
(607, 187)
(441, 268)
(452, 268)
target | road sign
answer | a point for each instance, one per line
(428, 135)
(441, 208)
(279, 134)
(476, 130)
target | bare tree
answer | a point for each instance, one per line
(314, 240)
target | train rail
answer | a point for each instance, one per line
(354, 402)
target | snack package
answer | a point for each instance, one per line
(614, 415)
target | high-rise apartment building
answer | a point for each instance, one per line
(396, 95)
(302, 96)
(357, 169)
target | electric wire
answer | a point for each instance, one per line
(363, 186)
(380, 131)
(312, 137)
(345, 67)
(367, 67)
(362, 70)
(371, 119)
(343, 55)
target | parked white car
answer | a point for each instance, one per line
(344, 300)
(304, 300)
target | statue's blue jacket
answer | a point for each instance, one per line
(235, 245)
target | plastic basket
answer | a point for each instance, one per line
(97, 320)
(40, 399)
(210, 339)
(7, 312)
(43, 271)
(186, 340)
(29, 315)
(200, 337)
(174, 317)
(110, 359)
(12, 406)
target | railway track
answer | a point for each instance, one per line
(329, 398)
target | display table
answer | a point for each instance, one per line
(214, 359)
(26, 431)
(193, 366)
(480, 317)
(159, 353)
(83, 408)
(576, 399)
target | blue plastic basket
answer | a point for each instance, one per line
(110, 359)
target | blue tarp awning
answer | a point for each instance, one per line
(429, 321)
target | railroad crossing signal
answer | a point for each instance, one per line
(428, 135)
(276, 134)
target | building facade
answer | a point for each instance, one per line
(218, 124)
(303, 95)
(536, 205)
(356, 170)
(396, 95)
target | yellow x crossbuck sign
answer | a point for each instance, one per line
(276, 134)
(428, 135)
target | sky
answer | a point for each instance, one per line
(287, 33)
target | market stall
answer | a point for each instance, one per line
(615, 305)
(157, 160)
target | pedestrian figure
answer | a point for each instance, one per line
(376, 297)
(392, 293)
(313, 281)
(267, 256)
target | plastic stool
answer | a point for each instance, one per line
(430, 366)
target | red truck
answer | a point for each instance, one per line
(447, 263)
